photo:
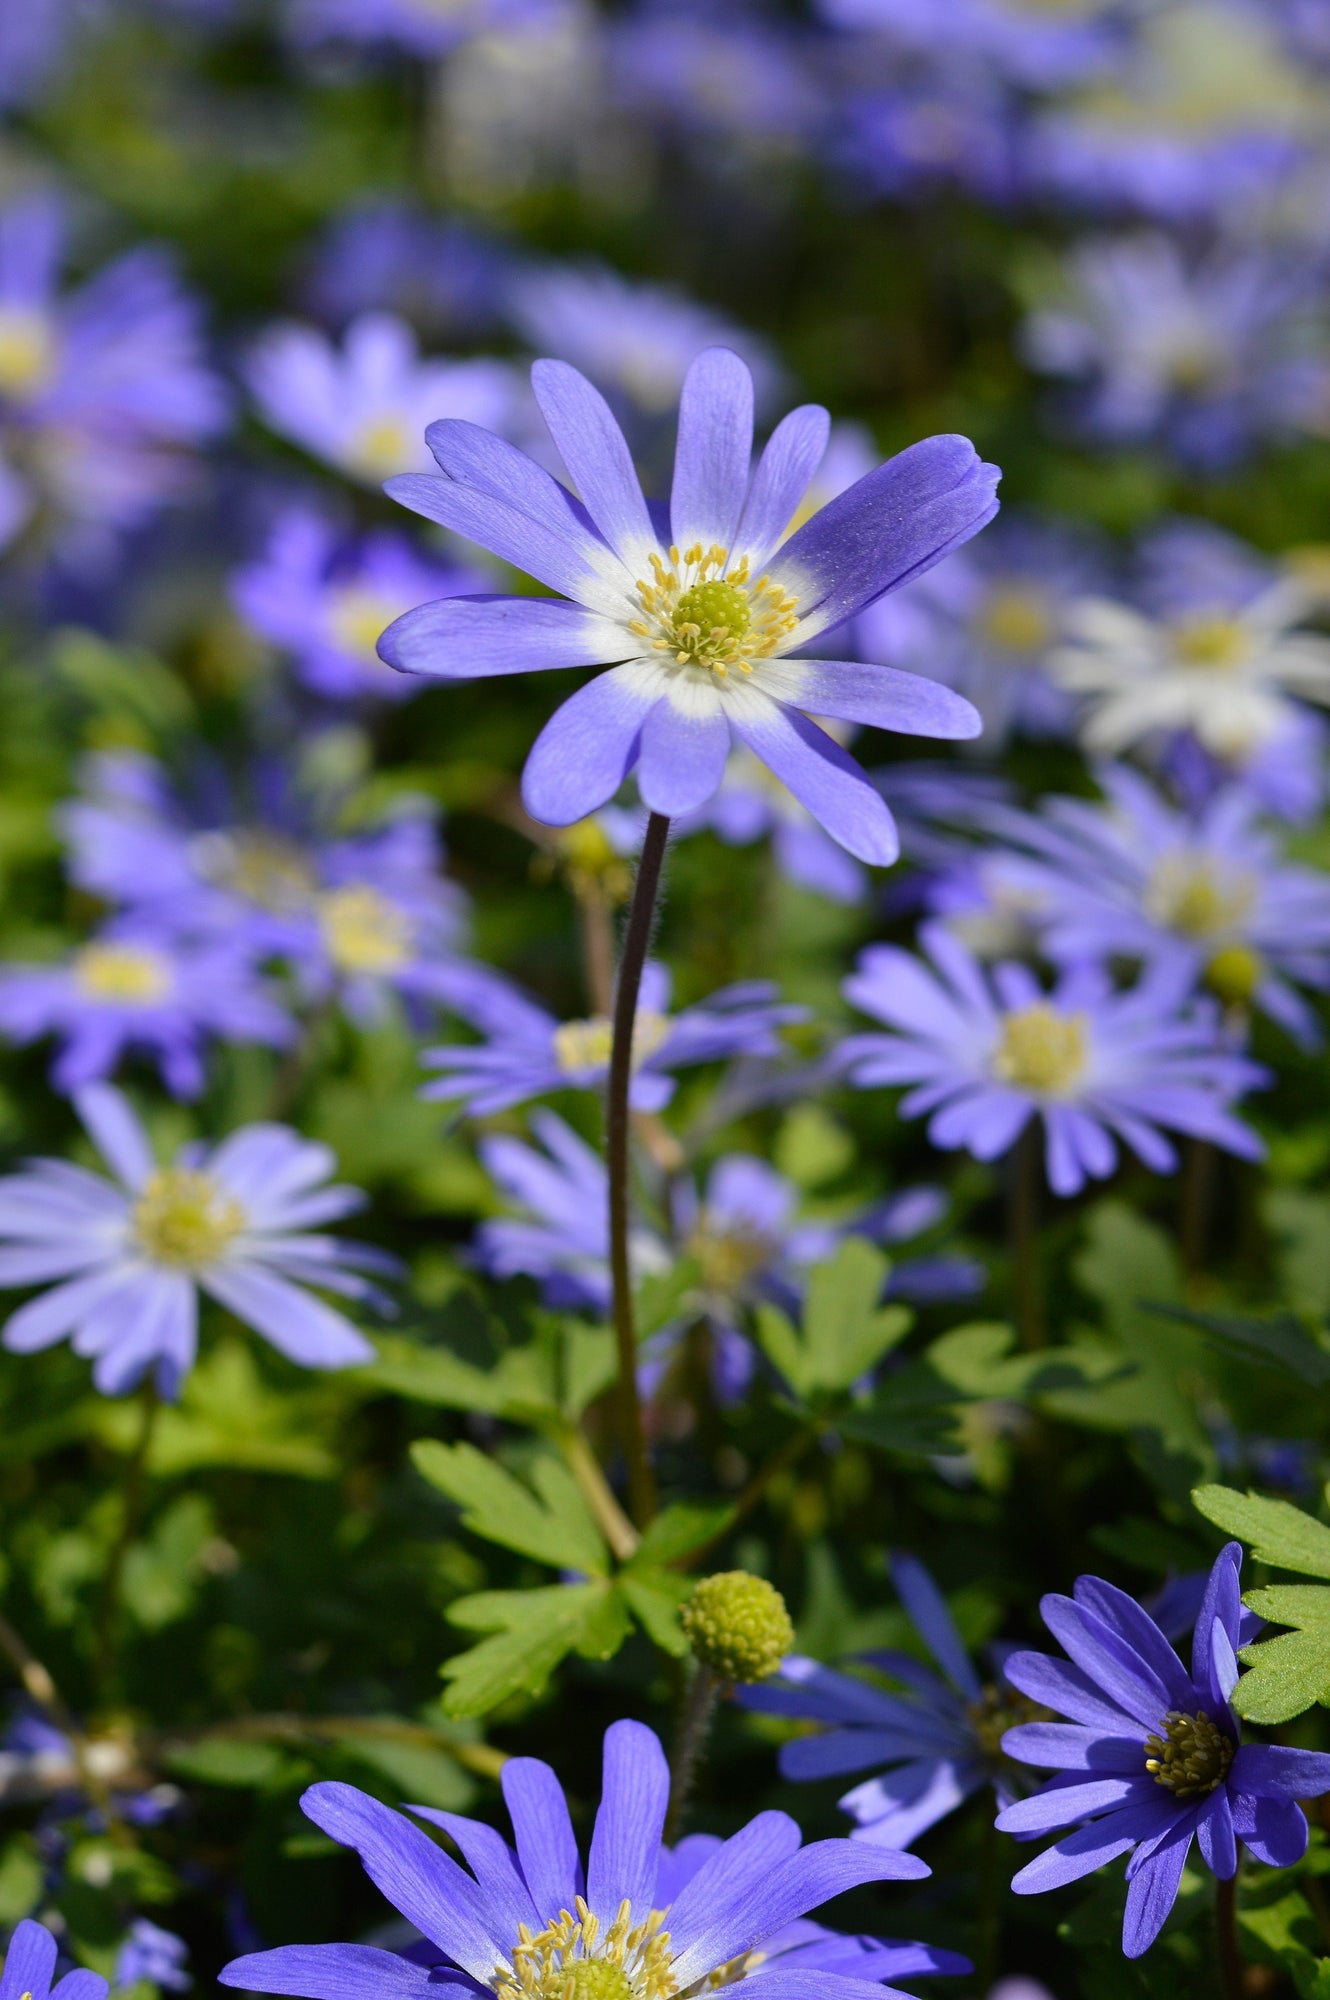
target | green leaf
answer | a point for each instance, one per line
(227, 1416)
(679, 1529)
(218, 1760)
(163, 1573)
(555, 1526)
(663, 1295)
(1283, 1342)
(654, 1597)
(845, 1332)
(1288, 1674)
(22, 1878)
(533, 1630)
(812, 1147)
(607, 1626)
(1276, 1532)
(415, 1770)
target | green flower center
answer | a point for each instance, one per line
(1191, 1756)
(709, 616)
(726, 1256)
(997, 1710)
(575, 1959)
(1190, 896)
(1234, 974)
(132, 974)
(363, 931)
(1041, 1050)
(184, 1219)
(737, 1625)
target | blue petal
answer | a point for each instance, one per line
(728, 1873)
(1089, 1847)
(626, 1842)
(713, 456)
(683, 754)
(1059, 1685)
(1152, 1890)
(934, 1623)
(1060, 1804)
(475, 457)
(784, 473)
(1274, 1829)
(592, 447)
(884, 698)
(543, 1830)
(821, 775)
(1124, 1616)
(490, 1859)
(588, 747)
(1065, 1746)
(29, 1963)
(1222, 1605)
(80, 1984)
(1281, 1772)
(894, 1809)
(495, 525)
(328, 1972)
(116, 1132)
(1215, 1836)
(475, 638)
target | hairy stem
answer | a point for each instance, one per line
(131, 1507)
(1226, 1938)
(637, 936)
(689, 1743)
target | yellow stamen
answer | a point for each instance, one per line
(363, 931)
(1041, 1050)
(184, 1219)
(133, 975)
(709, 616)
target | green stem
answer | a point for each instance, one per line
(694, 1725)
(1198, 1180)
(637, 936)
(1023, 1235)
(596, 1490)
(1226, 1938)
(482, 1758)
(131, 1508)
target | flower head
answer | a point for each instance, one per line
(936, 1734)
(129, 1256)
(642, 1922)
(1152, 1755)
(986, 1055)
(363, 407)
(30, 1967)
(148, 1952)
(737, 1625)
(699, 625)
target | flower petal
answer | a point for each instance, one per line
(729, 1872)
(475, 638)
(490, 1859)
(116, 1132)
(298, 1325)
(625, 1844)
(1274, 1829)
(821, 775)
(784, 473)
(543, 1831)
(493, 524)
(595, 452)
(934, 1623)
(713, 456)
(684, 748)
(881, 697)
(328, 1972)
(29, 1962)
(1281, 1772)
(1152, 1890)
(588, 747)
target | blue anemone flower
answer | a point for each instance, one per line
(703, 623)
(640, 1923)
(1152, 1756)
(937, 1736)
(30, 1962)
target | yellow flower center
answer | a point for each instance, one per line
(379, 447)
(1016, 618)
(133, 974)
(1190, 896)
(594, 870)
(708, 619)
(260, 867)
(997, 1710)
(574, 1959)
(357, 618)
(726, 1257)
(1211, 644)
(1191, 1756)
(184, 1219)
(27, 351)
(363, 931)
(1041, 1050)
(1234, 974)
(583, 1045)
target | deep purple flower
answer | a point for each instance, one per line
(103, 390)
(134, 991)
(325, 598)
(1136, 878)
(984, 1054)
(363, 407)
(130, 1256)
(936, 1734)
(703, 627)
(1206, 355)
(30, 1967)
(529, 1052)
(650, 1920)
(1152, 1756)
(147, 1952)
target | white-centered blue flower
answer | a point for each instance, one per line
(703, 620)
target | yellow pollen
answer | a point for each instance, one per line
(1016, 619)
(183, 1218)
(134, 975)
(574, 1958)
(1234, 974)
(710, 616)
(1191, 1756)
(582, 1045)
(595, 871)
(1211, 643)
(357, 618)
(27, 351)
(381, 446)
(1041, 1050)
(997, 1710)
(363, 931)
(1187, 894)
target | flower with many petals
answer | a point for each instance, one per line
(130, 1256)
(703, 624)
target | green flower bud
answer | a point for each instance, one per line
(737, 1625)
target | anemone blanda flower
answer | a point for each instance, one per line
(1151, 1756)
(363, 407)
(936, 1734)
(30, 1967)
(529, 1052)
(643, 1920)
(136, 991)
(324, 597)
(698, 624)
(129, 1256)
(984, 1054)
(147, 1952)
(1138, 878)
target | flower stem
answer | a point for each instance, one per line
(596, 1490)
(1023, 1234)
(1226, 1938)
(637, 936)
(694, 1723)
(1198, 1181)
(131, 1507)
